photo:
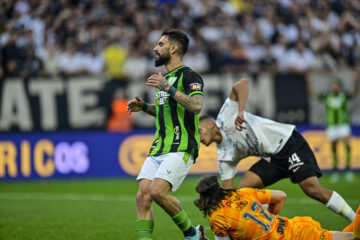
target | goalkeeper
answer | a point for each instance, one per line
(239, 214)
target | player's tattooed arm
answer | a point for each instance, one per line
(191, 103)
(138, 104)
(164, 85)
(149, 109)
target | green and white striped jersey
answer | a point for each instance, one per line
(177, 129)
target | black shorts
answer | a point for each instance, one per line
(295, 160)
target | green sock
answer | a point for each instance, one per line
(144, 229)
(348, 154)
(182, 221)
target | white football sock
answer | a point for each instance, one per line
(338, 205)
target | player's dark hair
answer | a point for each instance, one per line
(206, 117)
(211, 194)
(179, 37)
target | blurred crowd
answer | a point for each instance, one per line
(115, 38)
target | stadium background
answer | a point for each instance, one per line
(68, 69)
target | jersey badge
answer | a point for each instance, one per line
(195, 86)
(172, 80)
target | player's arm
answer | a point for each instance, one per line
(138, 104)
(239, 93)
(277, 199)
(309, 88)
(228, 183)
(149, 109)
(191, 103)
(219, 227)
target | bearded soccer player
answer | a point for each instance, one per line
(178, 102)
(239, 214)
(284, 152)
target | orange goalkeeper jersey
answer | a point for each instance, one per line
(242, 216)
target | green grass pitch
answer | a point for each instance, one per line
(106, 209)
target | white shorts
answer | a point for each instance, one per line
(170, 166)
(227, 169)
(338, 132)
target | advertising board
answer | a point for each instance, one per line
(103, 154)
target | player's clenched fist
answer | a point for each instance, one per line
(135, 105)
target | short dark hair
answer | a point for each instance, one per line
(206, 117)
(179, 37)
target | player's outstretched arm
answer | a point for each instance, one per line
(277, 199)
(138, 104)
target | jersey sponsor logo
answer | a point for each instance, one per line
(177, 133)
(195, 86)
(241, 205)
(336, 102)
(281, 226)
(161, 97)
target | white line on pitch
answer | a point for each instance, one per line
(119, 198)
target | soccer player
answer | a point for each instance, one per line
(179, 98)
(285, 153)
(337, 121)
(239, 214)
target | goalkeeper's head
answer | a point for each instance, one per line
(211, 194)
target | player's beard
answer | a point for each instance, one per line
(162, 60)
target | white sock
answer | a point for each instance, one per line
(338, 205)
